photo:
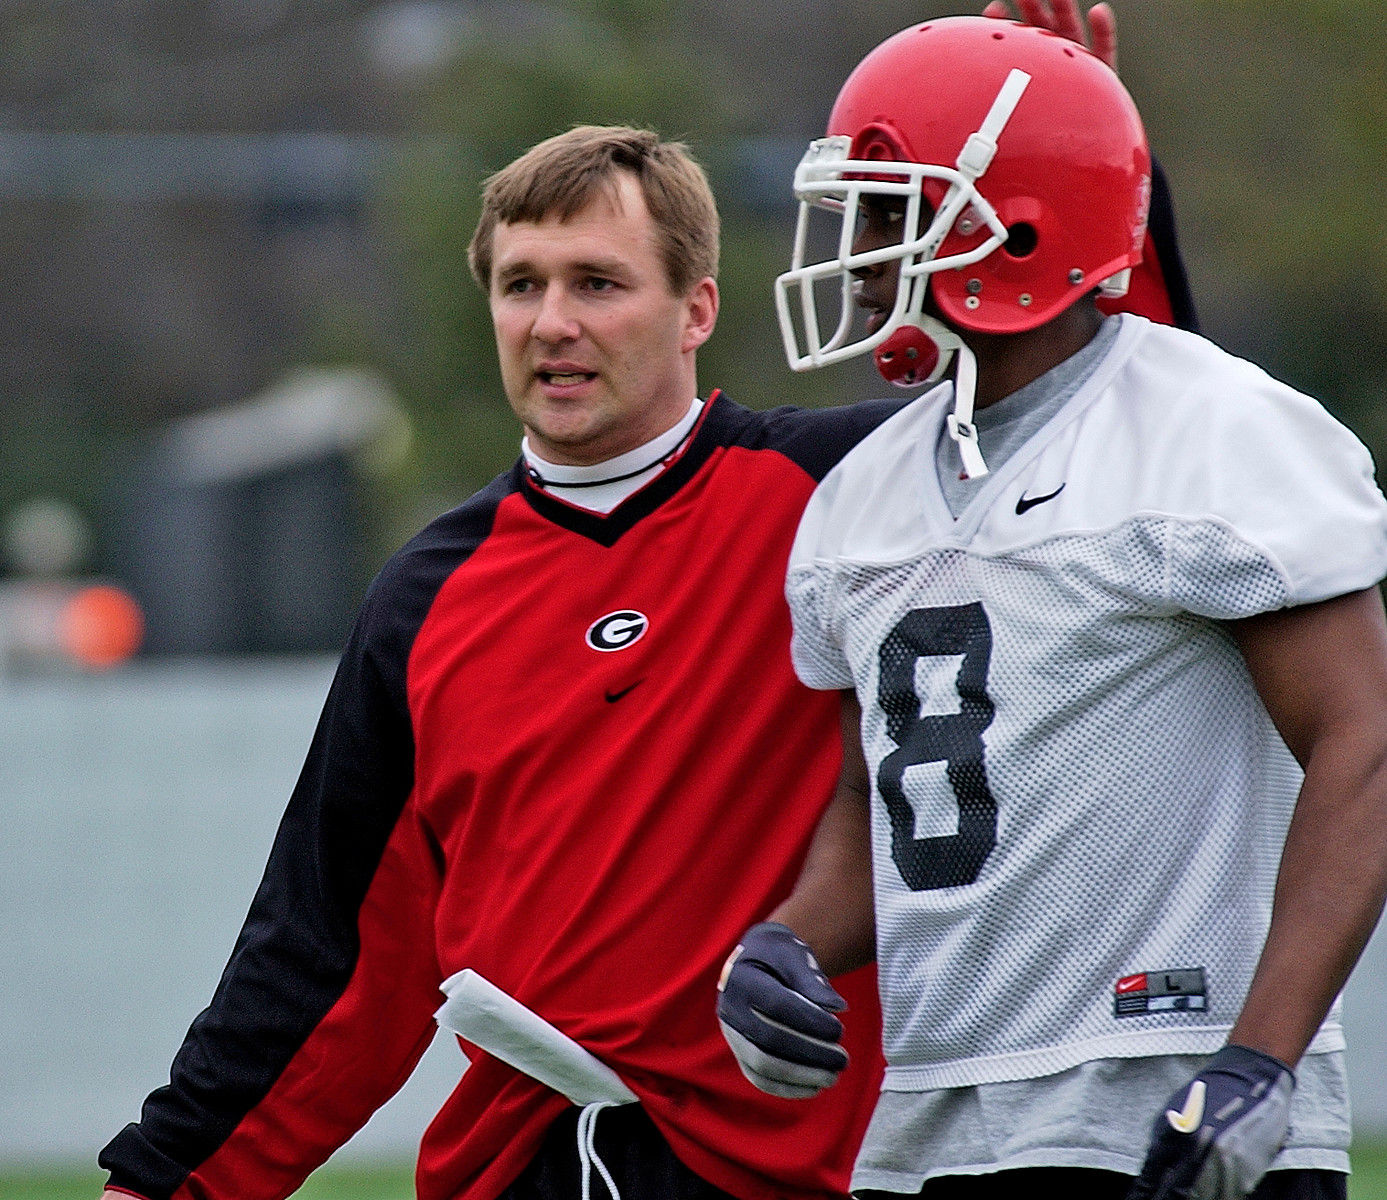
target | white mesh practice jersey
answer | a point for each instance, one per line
(1078, 800)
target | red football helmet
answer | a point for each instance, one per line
(1022, 167)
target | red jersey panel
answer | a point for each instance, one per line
(621, 812)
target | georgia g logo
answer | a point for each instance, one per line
(617, 630)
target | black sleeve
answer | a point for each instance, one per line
(1166, 245)
(326, 1002)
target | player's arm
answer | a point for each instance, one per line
(776, 1007)
(831, 905)
(1321, 671)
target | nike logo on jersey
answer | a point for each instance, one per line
(1028, 502)
(613, 697)
(1144, 992)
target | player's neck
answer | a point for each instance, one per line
(1006, 363)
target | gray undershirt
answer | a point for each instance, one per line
(1096, 1115)
(1006, 426)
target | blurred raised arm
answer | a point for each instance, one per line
(1064, 17)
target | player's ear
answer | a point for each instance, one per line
(701, 313)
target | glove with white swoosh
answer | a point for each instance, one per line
(775, 1007)
(1219, 1132)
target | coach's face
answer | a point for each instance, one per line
(597, 353)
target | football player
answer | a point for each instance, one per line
(1102, 603)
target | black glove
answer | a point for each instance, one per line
(1220, 1131)
(776, 1010)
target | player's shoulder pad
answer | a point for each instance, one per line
(858, 490)
(1223, 443)
(1203, 394)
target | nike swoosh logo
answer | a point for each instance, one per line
(1131, 985)
(613, 697)
(1187, 1120)
(1029, 502)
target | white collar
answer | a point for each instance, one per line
(601, 486)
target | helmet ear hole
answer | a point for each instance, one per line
(1022, 240)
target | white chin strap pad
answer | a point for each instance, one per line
(961, 427)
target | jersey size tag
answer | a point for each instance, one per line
(1160, 991)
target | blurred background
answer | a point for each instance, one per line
(241, 360)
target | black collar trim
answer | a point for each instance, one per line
(532, 472)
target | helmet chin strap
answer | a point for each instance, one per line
(919, 352)
(961, 427)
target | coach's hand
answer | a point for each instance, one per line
(1220, 1131)
(776, 1010)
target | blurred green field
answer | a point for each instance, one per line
(1368, 1182)
(393, 1182)
(1369, 1178)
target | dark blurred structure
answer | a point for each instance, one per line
(240, 530)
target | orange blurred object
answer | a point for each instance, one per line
(101, 626)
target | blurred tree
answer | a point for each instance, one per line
(1270, 122)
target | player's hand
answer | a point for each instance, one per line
(1220, 1131)
(776, 1010)
(1064, 18)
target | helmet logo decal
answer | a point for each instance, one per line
(1143, 210)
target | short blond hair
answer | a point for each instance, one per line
(563, 174)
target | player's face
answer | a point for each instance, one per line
(597, 354)
(880, 223)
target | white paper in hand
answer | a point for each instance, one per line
(479, 1011)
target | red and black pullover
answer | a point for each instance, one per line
(493, 786)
